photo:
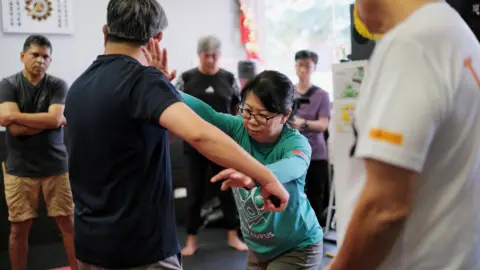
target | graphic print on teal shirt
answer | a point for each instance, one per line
(266, 233)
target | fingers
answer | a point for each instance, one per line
(225, 174)
(241, 181)
(150, 47)
(225, 185)
(265, 194)
(172, 75)
(269, 205)
(249, 183)
(158, 52)
(238, 182)
(147, 54)
(164, 58)
(158, 58)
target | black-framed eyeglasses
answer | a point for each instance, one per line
(260, 118)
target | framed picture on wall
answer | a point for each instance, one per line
(37, 16)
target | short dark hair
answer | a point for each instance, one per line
(306, 54)
(274, 89)
(134, 21)
(39, 40)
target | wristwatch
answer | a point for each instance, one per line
(305, 125)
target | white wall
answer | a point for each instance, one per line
(188, 20)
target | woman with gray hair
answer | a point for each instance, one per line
(218, 88)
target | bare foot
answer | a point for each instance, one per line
(189, 250)
(237, 244)
(191, 246)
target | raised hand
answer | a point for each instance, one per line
(158, 58)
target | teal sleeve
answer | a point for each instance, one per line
(226, 122)
(295, 159)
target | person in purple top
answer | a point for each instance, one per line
(312, 121)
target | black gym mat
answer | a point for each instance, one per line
(213, 254)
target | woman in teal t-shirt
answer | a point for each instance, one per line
(287, 240)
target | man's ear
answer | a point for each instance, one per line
(22, 55)
(105, 32)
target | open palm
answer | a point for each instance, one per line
(158, 58)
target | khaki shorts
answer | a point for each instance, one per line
(307, 258)
(21, 194)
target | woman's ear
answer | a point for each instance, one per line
(286, 116)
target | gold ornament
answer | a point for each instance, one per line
(39, 9)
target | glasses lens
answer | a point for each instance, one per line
(261, 119)
(246, 114)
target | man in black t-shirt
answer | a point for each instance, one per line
(31, 108)
(119, 112)
(219, 89)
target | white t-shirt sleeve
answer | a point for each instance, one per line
(405, 107)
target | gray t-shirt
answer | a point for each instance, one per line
(43, 154)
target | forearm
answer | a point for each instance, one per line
(221, 149)
(370, 236)
(317, 125)
(37, 120)
(19, 130)
(288, 169)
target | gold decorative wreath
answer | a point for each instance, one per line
(361, 28)
(39, 9)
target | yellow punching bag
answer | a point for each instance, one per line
(361, 28)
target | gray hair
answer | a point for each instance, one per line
(135, 20)
(208, 44)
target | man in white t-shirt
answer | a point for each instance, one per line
(415, 168)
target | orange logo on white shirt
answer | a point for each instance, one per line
(468, 64)
(386, 136)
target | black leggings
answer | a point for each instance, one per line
(196, 191)
(317, 187)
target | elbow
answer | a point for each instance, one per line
(387, 219)
(399, 215)
(196, 137)
(57, 122)
(324, 126)
(14, 132)
(204, 134)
